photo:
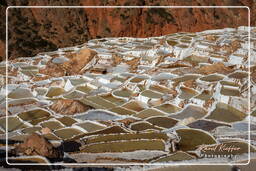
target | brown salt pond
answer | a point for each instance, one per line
(224, 112)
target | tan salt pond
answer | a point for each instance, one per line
(55, 91)
(30, 72)
(123, 93)
(109, 130)
(29, 67)
(187, 93)
(190, 139)
(182, 46)
(120, 79)
(206, 125)
(186, 78)
(160, 89)
(151, 94)
(97, 102)
(196, 59)
(122, 111)
(21, 102)
(172, 42)
(136, 106)
(100, 102)
(137, 79)
(124, 146)
(13, 124)
(20, 93)
(68, 121)
(168, 108)
(185, 41)
(229, 83)
(67, 133)
(91, 104)
(128, 136)
(187, 37)
(205, 95)
(31, 130)
(74, 95)
(36, 121)
(142, 126)
(100, 115)
(224, 112)
(34, 114)
(229, 91)
(149, 113)
(111, 98)
(239, 75)
(190, 111)
(84, 89)
(91, 126)
(77, 81)
(212, 78)
(53, 125)
(161, 121)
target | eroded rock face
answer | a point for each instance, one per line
(69, 107)
(35, 30)
(215, 68)
(37, 145)
(75, 65)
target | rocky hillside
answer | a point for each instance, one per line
(35, 30)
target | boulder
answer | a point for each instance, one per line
(37, 145)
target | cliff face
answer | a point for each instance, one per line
(36, 30)
(154, 22)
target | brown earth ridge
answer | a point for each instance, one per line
(37, 30)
